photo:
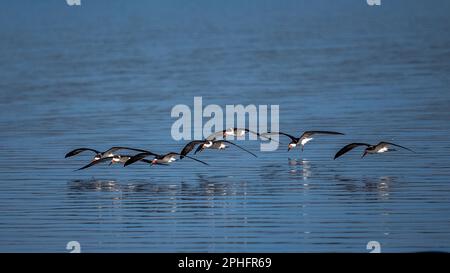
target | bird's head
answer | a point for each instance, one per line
(154, 161)
(116, 159)
(207, 144)
(291, 146)
(228, 132)
(368, 150)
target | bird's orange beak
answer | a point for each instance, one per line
(290, 146)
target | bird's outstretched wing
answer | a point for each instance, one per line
(95, 162)
(199, 148)
(293, 138)
(138, 157)
(348, 148)
(115, 149)
(310, 133)
(234, 144)
(173, 153)
(248, 131)
(236, 131)
(146, 161)
(393, 144)
(189, 147)
(215, 135)
(80, 150)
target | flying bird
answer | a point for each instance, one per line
(159, 159)
(209, 144)
(379, 148)
(306, 137)
(98, 155)
(113, 160)
(238, 132)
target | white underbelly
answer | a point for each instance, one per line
(382, 150)
(207, 145)
(229, 133)
(306, 140)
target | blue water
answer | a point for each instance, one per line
(108, 73)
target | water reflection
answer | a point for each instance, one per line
(271, 172)
(203, 186)
(191, 202)
(86, 185)
(220, 185)
(382, 185)
(300, 166)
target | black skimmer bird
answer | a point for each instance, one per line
(306, 137)
(237, 132)
(379, 148)
(159, 159)
(98, 155)
(209, 144)
(113, 160)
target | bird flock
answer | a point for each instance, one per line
(212, 142)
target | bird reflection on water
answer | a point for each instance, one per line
(300, 166)
(204, 186)
(86, 185)
(146, 199)
(382, 185)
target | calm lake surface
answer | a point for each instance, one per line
(108, 73)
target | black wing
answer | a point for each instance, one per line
(143, 160)
(173, 153)
(189, 147)
(138, 157)
(248, 131)
(220, 133)
(229, 142)
(80, 150)
(310, 133)
(199, 148)
(115, 149)
(256, 133)
(393, 144)
(293, 138)
(349, 147)
(95, 162)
